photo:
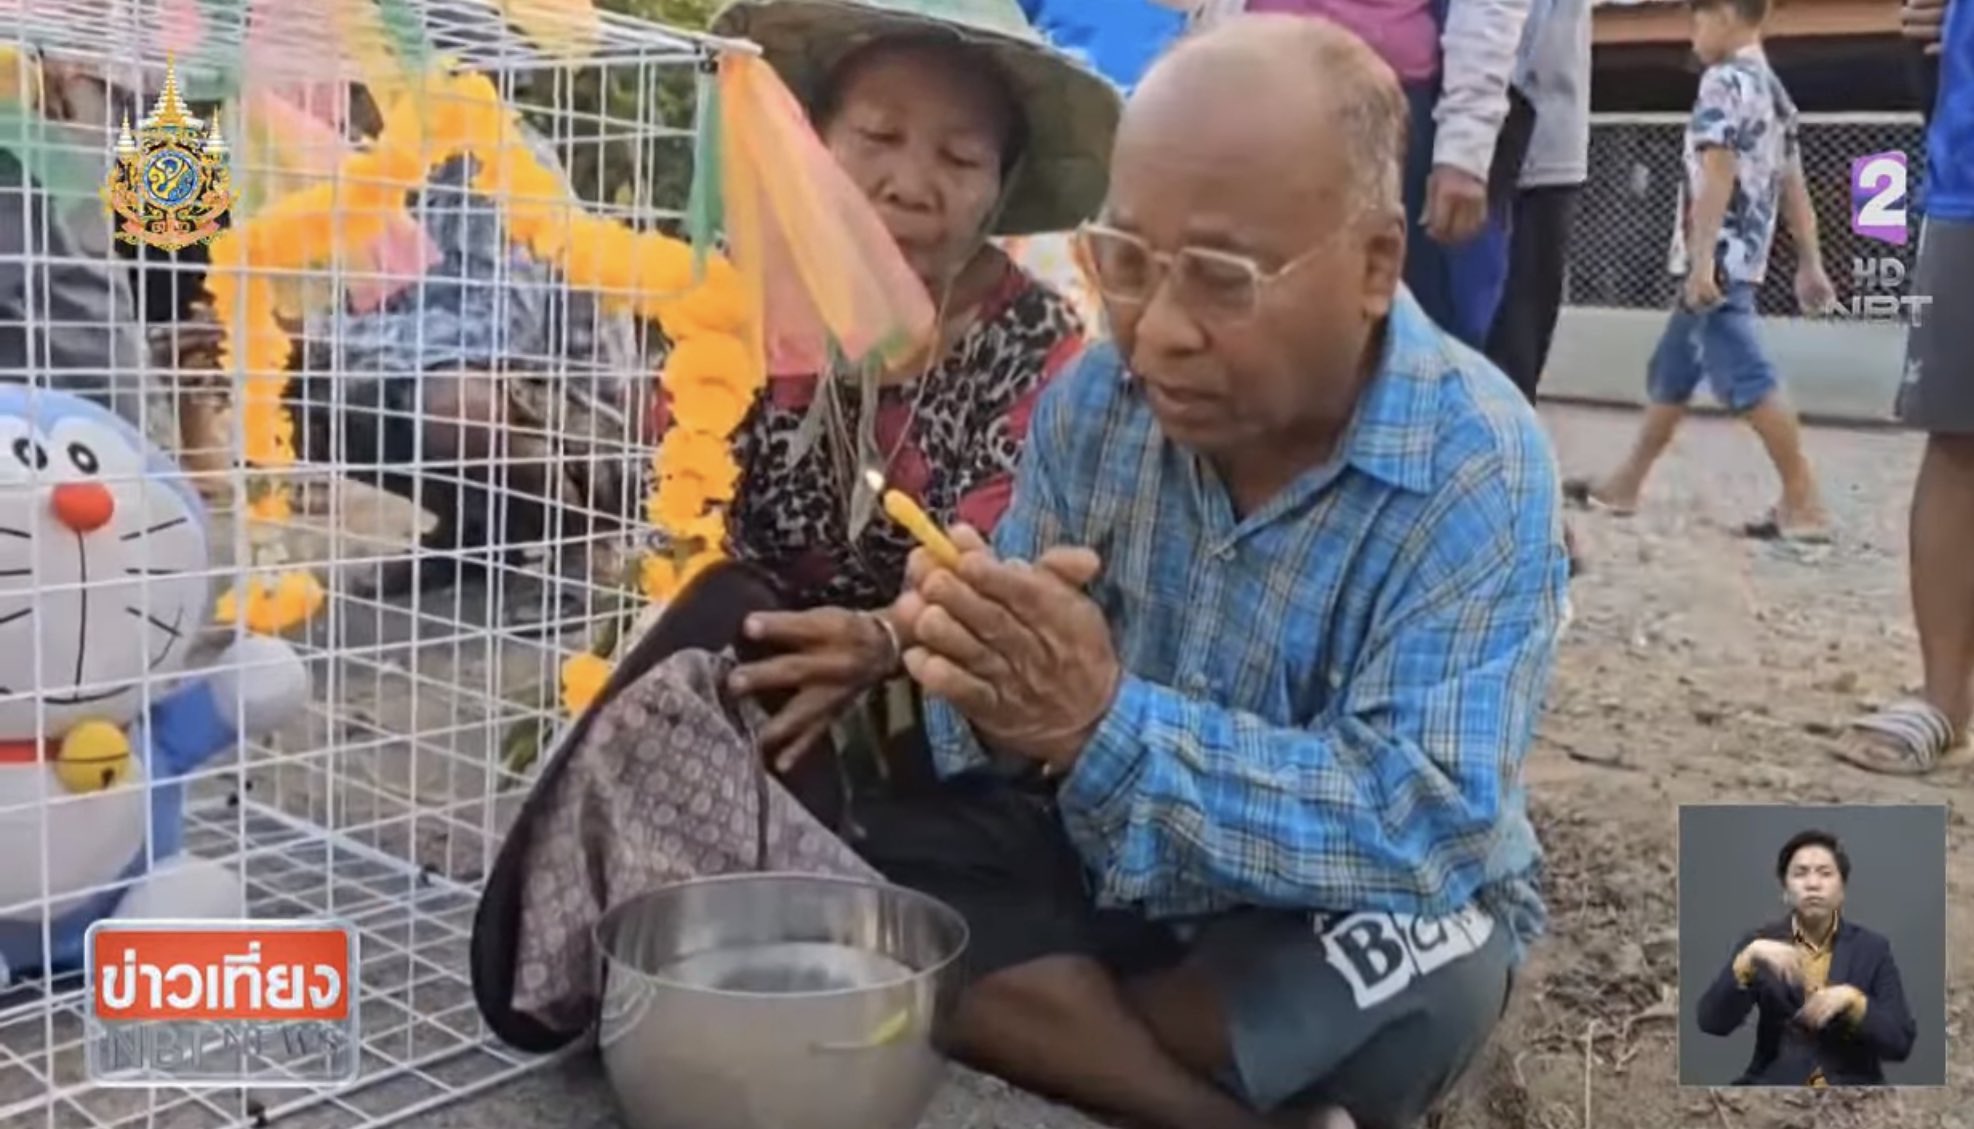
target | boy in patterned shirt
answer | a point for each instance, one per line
(1742, 166)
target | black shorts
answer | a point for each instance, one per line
(1937, 394)
(1374, 1012)
(998, 854)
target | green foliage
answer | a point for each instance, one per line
(692, 15)
(624, 131)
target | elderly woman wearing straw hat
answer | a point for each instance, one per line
(960, 123)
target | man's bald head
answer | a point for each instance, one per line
(1296, 77)
(1253, 237)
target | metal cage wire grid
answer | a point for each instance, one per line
(435, 660)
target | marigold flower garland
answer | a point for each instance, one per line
(711, 376)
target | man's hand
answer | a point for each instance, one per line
(1828, 1004)
(1922, 21)
(1780, 958)
(1016, 647)
(1814, 292)
(827, 656)
(1702, 290)
(1456, 205)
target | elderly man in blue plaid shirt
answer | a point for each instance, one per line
(1232, 714)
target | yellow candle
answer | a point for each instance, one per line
(916, 521)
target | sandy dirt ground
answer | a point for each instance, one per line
(1702, 667)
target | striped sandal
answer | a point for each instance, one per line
(1906, 738)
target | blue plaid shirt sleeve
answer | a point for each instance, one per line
(1388, 801)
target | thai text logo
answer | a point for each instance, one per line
(270, 1003)
(1878, 197)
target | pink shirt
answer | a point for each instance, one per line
(1402, 31)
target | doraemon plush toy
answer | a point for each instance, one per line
(104, 584)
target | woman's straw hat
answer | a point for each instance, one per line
(1071, 110)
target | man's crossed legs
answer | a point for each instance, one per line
(1168, 1027)
(1245, 1021)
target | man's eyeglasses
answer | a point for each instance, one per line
(1216, 284)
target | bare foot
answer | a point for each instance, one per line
(1804, 517)
(1331, 1119)
(1807, 526)
(1589, 495)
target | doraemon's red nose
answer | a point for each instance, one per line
(83, 506)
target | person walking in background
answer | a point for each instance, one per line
(1743, 164)
(1830, 1007)
(1911, 736)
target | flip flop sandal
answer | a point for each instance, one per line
(1906, 738)
(1581, 493)
(1770, 528)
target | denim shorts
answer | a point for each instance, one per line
(1720, 345)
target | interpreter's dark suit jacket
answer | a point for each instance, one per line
(1787, 1053)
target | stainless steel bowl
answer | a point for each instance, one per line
(776, 1001)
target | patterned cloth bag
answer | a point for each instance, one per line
(658, 782)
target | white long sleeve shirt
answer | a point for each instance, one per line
(1554, 74)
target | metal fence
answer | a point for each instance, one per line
(1624, 219)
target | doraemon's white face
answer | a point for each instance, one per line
(103, 573)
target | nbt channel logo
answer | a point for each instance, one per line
(1878, 213)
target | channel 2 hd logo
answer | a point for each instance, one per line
(1878, 192)
(1878, 213)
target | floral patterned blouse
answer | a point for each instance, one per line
(950, 439)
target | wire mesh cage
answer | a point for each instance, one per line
(312, 511)
(1624, 221)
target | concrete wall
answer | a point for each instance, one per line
(1834, 370)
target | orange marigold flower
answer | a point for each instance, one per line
(516, 177)
(583, 679)
(222, 254)
(595, 258)
(711, 358)
(291, 232)
(658, 577)
(708, 529)
(680, 501)
(273, 608)
(705, 398)
(663, 264)
(543, 228)
(272, 506)
(383, 174)
(717, 305)
(696, 454)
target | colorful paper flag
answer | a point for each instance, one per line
(826, 276)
